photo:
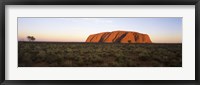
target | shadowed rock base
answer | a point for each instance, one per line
(119, 37)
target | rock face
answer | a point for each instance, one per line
(119, 37)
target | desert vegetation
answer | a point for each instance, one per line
(60, 54)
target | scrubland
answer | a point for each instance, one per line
(60, 54)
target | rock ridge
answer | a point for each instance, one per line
(119, 37)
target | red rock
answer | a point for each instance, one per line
(119, 37)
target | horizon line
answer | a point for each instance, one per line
(93, 42)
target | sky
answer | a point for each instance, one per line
(160, 30)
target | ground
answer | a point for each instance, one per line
(63, 54)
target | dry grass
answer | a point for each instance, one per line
(47, 54)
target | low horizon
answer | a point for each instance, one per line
(160, 30)
(93, 42)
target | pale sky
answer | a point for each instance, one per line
(160, 30)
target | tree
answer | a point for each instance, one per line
(31, 38)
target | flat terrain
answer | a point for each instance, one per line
(60, 54)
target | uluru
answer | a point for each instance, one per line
(119, 37)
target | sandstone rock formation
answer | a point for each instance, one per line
(119, 37)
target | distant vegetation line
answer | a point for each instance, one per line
(91, 42)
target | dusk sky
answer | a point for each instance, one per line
(160, 30)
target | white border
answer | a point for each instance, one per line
(187, 72)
